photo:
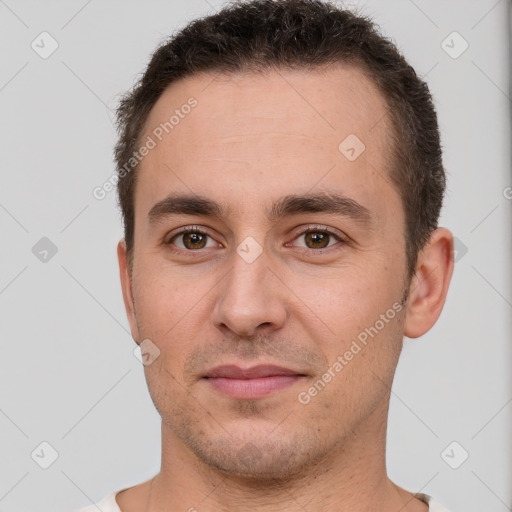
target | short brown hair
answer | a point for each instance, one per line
(266, 34)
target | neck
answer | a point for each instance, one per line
(351, 478)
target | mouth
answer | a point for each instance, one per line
(253, 382)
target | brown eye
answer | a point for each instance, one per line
(317, 240)
(192, 240)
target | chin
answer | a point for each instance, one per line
(258, 460)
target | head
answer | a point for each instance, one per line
(284, 212)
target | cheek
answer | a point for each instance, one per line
(171, 309)
(166, 388)
(168, 301)
(349, 300)
(364, 320)
(362, 358)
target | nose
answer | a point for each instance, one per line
(250, 299)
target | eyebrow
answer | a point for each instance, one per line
(330, 203)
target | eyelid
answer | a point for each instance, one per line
(184, 229)
(321, 227)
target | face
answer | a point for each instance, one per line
(269, 267)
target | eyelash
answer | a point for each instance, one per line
(312, 229)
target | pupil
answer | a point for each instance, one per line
(317, 239)
(194, 240)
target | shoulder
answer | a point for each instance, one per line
(107, 504)
(433, 505)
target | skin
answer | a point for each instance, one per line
(251, 140)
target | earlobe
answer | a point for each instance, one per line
(429, 286)
(126, 286)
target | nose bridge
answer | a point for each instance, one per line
(250, 295)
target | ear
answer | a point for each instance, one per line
(429, 286)
(126, 285)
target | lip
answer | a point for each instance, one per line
(232, 371)
(251, 383)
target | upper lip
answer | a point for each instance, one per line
(232, 371)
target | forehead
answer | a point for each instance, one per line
(260, 132)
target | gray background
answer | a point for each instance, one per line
(68, 373)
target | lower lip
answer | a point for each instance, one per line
(252, 388)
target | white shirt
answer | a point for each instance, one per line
(109, 504)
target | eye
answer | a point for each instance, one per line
(315, 238)
(191, 239)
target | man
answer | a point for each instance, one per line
(280, 179)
